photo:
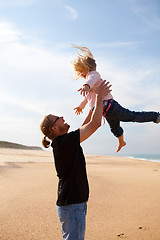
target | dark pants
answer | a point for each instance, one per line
(117, 113)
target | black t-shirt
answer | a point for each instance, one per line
(71, 169)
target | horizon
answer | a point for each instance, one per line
(37, 74)
(131, 155)
(8, 146)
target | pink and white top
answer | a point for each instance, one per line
(93, 79)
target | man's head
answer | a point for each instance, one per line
(52, 127)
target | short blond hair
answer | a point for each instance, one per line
(83, 63)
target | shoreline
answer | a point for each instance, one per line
(8, 155)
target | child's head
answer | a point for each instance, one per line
(84, 63)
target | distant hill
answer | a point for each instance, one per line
(4, 144)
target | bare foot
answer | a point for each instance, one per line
(122, 144)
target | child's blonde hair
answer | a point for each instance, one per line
(84, 63)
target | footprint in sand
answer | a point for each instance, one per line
(142, 228)
(121, 235)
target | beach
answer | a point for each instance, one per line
(124, 200)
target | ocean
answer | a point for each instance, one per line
(148, 157)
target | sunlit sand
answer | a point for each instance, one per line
(124, 197)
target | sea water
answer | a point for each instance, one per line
(148, 157)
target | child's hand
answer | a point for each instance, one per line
(84, 90)
(78, 110)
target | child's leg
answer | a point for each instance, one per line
(122, 143)
(122, 114)
(117, 130)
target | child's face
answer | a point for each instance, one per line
(83, 74)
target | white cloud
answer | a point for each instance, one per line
(119, 44)
(28, 56)
(33, 66)
(8, 33)
(15, 3)
(27, 70)
(148, 11)
(36, 81)
(128, 83)
(73, 13)
(26, 104)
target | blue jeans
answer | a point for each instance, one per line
(73, 221)
(117, 113)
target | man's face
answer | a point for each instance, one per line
(59, 122)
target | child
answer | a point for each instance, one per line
(85, 66)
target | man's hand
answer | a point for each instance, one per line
(94, 118)
(103, 89)
(84, 90)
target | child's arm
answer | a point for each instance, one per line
(92, 79)
(78, 110)
(88, 129)
(84, 90)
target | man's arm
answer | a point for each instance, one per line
(88, 118)
(86, 130)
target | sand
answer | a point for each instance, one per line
(124, 198)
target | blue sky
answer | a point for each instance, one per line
(37, 74)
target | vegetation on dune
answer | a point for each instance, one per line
(4, 144)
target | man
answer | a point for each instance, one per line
(73, 189)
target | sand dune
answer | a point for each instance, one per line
(124, 198)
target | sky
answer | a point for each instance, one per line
(37, 77)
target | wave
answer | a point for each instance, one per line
(146, 157)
